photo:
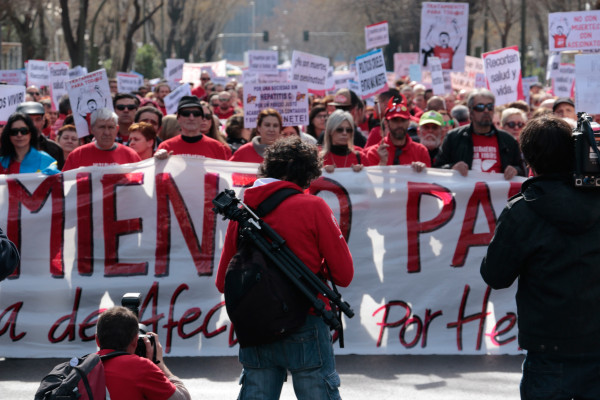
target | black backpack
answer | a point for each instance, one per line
(262, 304)
(80, 378)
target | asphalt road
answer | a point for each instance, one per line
(363, 377)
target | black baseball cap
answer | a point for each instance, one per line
(562, 100)
(189, 102)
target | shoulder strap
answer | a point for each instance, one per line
(358, 157)
(113, 354)
(271, 202)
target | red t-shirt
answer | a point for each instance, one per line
(246, 153)
(131, 377)
(445, 55)
(224, 115)
(560, 41)
(486, 156)
(412, 151)
(342, 161)
(90, 155)
(207, 147)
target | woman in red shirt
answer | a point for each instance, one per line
(267, 132)
(338, 148)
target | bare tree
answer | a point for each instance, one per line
(136, 23)
(75, 42)
(28, 21)
(505, 14)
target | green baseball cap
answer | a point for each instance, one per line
(431, 117)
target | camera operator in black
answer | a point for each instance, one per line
(131, 377)
(9, 256)
(548, 238)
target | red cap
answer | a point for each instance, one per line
(396, 107)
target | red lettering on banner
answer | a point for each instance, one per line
(114, 229)
(19, 195)
(343, 197)
(414, 227)
(88, 323)
(468, 238)
(511, 318)
(155, 318)
(167, 193)
(85, 224)
(515, 188)
(462, 319)
(11, 321)
(71, 318)
(421, 328)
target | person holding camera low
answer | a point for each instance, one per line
(129, 376)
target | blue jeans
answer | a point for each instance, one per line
(307, 354)
(561, 377)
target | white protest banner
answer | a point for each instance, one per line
(174, 69)
(59, 75)
(289, 99)
(587, 85)
(553, 64)
(577, 30)
(263, 61)
(563, 83)
(37, 73)
(377, 35)
(172, 99)
(279, 76)
(77, 71)
(437, 76)
(311, 70)
(355, 87)
(371, 74)
(15, 77)
(10, 98)
(466, 80)
(527, 82)
(444, 34)
(447, 82)
(341, 79)
(128, 83)
(503, 74)
(149, 227)
(87, 94)
(480, 81)
(192, 71)
(330, 83)
(402, 63)
(415, 73)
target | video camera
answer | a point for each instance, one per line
(587, 156)
(132, 302)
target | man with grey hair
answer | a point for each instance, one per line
(461, 114)
(104, 150)
(480, 146)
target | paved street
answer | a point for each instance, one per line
(363, 377)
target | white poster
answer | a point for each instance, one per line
(10, 98)
(444, 34)
(59, 75)
(15, 77)
(587, 85)
(289, 99)
(376, 35)
(577, 30)
(437, 76)
(310, 70)
(172, 99)
(553, 64)
(415, 74)
(341, 79)
(90, 235)
(402, 63)
(466, 80)
(563, 83)
(264, 61)
(371, 74)
(129, 83)
(37, 73)
(77, 71)
(87, 94)
(503, 74)
(527, 82)
(192, 71)
(174, 69)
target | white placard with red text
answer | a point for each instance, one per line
(10, 98)
(15, 77)
(377, 35)
(289, 99)
(90, 235)
(503, 74)
(87, 94)
(467, 80)
(577, 30)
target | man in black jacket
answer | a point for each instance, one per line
(480, 146)
(547, 237)
(9, 256)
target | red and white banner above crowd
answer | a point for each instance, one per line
(90, 235)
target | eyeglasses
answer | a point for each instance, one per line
(481, 107)
(342, 130)
(205, 79)
(16, 131)
(223, 99)
(207, 117)
(34, 93)
(513, 124)
(122, 107)
(321, 116)
(187, 113)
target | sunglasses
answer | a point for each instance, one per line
(215, 104)
(205, 79)
(222, 99)
(347, 130)
(207, 117)
(481, 107)
(34, 93)
(513, 125)
(17, 131)
(343, 108)
(187, 113)
(122, 107)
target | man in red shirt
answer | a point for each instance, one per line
(125, 105)
(225, 109)
(161, 90)
(129, 376)
(191, 141)
(104, 150)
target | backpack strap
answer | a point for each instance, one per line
(271, 202)
(113, 355)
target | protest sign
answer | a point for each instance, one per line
(330, 83)
(77, 71)
(264, 61)
(15, 77)
(341, 79)
(87, 94)
(503, 74)
(172, 99)
(192, 71)
(563, 83)
(444, 34)
(289, 99)
(280, 76)
(527, 82)
(414, 73)
(480, 81)
(587, 85)
(466, 80)
(355, 87)
(371, 74)
(447, 82)
(402, 63)
(552, 66)
(311, 70)
(417, 241)
(59, 75)
(437, 76)
(376, 35)
(37, 73)
(128, 83)
(577, 30)
(10, 98)
(174, 69)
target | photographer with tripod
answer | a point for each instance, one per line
(308, 226)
